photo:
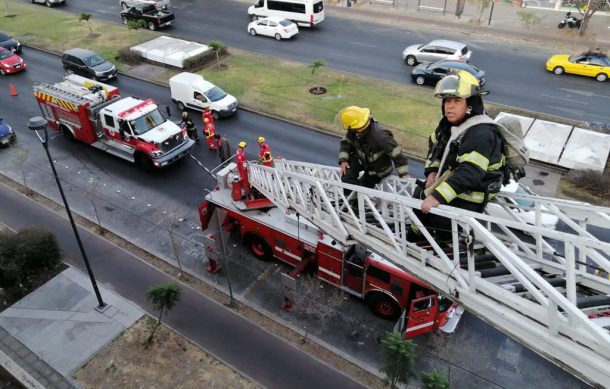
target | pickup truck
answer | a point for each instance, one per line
(147, 15)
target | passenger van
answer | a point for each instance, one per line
(192, 91)
(306, 13)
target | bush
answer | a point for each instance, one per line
(198, 61)
(36, 248)
(129, 57)
(591, 181)
(434, 379)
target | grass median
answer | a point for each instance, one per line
(262, 83)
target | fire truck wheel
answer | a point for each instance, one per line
(144, 162)
(259, 248)
(67, 133)
(383, 306)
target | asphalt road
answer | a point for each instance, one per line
(516, 74)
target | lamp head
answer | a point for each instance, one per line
(37, 123)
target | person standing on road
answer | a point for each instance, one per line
(223, 148)
(189, 125)
(465, 157)
(207, 114)
(368, 147)
(209, 131)
(265, 157)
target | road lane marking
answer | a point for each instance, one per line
(361, 44)
(565, 99)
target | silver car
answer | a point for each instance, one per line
(48, 3)
(436, 51)
(160, 4)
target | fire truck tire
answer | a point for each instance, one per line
(67, 133)
(383, 306)
(144, 162)
(259, 247)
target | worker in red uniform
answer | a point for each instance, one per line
(265, 157)
(207, 114)
(242, 166)
(209, 131)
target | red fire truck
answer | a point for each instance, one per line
(94, 113)
(270, 233)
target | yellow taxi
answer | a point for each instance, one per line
(588, 64)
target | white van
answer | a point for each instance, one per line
(191, 90)
(306, 13)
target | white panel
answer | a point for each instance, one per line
(169, 51)
(545, 140)
(586, 150)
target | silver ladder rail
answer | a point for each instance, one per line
(542, 317)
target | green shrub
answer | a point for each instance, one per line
(37, 248)
(129, 57)
(434, 379)
(198, 61)
(595, 183)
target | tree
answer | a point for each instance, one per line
(87, 18)
(528, 19)
(434, 379)
(587, 9)
(315, 66)
(172, 236)
(217, 47)
(162, 297)
(398, 359)
(483, 5)
(317, 303)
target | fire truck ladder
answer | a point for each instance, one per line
(60, 93)
(536, 284)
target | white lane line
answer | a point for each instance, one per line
(361, 44)
(565, 99)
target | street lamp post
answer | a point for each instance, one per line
(39, 125)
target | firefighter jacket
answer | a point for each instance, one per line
(209, 130)
(188, 123)
(474, 153)
(375, 149)
(264, 153)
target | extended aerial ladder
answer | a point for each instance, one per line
(536, 284)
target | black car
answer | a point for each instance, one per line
(434, 72)
(88, 64)
(9, 43)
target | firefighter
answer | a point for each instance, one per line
(242, 166)
(209, 131)
(207, 114)
(223, 148)
(368, 147)
(465, 159)
(264, 153)
(190, 127)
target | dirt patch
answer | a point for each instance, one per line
(170, 361)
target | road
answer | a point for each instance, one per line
(135, 204)
(516, 74)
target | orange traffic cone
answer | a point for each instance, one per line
(13, 90)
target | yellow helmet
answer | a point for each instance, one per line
(206, 106)
(461, 84)
(355, 118)
(184, 114)
(242, 144)
(261, 139)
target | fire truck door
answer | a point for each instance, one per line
(353, 269)
(111, 127)
(422, 316)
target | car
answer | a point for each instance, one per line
(7, 134)
(274, 26)
(8, 42)
(49, 3)
(522, 209)
(88, 64)
(147, 15)
(436, 51)
(10, 62)
(432, 73)
(160, 4)
(587, 64)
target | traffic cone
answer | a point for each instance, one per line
(213, 266)
(13, 90)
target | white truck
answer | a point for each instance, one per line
(192, 91)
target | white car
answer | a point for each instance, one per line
(274, 26)
(49, 3)
(435, 51)
(159, 4)
(523, 209)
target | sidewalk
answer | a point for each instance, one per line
(506, 24)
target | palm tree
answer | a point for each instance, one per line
(217, 47)
(315, 66)
(86, 17)
(163, 297)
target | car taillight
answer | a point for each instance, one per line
(285, 30)
(311, 18)
(158, 20)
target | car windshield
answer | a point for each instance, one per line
(4, 54)
(147, 122)
(4, 37)
(285, 23)
(94, 60)
(215, 94)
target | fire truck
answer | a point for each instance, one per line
(269, 232)
(129, 128)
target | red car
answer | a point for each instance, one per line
(10, 62)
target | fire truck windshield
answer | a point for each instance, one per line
(147, 122)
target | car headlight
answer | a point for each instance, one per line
(6, 66)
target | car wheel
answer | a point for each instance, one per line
(123, 5)
(601, 77)
(558, 70)
(2, 72)
(254, 18)
(278, 37)
(252, 32)
(181, 106)
(215, 115)
(152, 26)
(47, 3)
(31, 1)
(124, 19)
(420, 80)
(410, 60)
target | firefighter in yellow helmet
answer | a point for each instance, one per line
(465, 157)
(265, 157)
(242, 166)
(368, 147)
